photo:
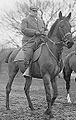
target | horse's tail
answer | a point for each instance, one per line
(7, 58)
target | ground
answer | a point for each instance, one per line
(19, 105)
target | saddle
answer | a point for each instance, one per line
(20, 54)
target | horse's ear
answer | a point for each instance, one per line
(69, 16)
(60, 15)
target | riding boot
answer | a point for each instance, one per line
(27, 71)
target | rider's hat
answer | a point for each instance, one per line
(34, 8)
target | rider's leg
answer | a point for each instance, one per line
(28, 54)
(27, 71)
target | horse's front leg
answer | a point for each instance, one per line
(46, 80)
(55, 90)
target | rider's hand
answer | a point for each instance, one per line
(37, 33)
(43, 32)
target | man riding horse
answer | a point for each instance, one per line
(31, 27)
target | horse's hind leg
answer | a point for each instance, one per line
(26, 89)
(55, 91)
(67, 74)
(13, 69)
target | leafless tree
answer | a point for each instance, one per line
(11, 21)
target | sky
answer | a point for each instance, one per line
(10, 4)
(7, 4)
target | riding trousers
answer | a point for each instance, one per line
(29, 49)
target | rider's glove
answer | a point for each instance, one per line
(37, 33)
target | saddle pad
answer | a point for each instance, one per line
(20, 55)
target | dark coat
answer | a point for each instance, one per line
(29, 26)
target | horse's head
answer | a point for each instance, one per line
(62, 29)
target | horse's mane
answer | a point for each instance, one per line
(52, 28)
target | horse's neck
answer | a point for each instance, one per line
(57, 51)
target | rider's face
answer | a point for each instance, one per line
(34, 12)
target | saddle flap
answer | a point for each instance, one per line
(37, 54)
(19, 56)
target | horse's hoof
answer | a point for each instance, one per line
(47, 112)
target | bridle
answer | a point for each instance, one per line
(68, 33)
(64, 37)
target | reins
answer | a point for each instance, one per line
(51, 52)
(39, 36)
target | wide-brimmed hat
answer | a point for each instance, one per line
(34, 8)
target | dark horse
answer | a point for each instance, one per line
(69, 67)
(47, 66)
